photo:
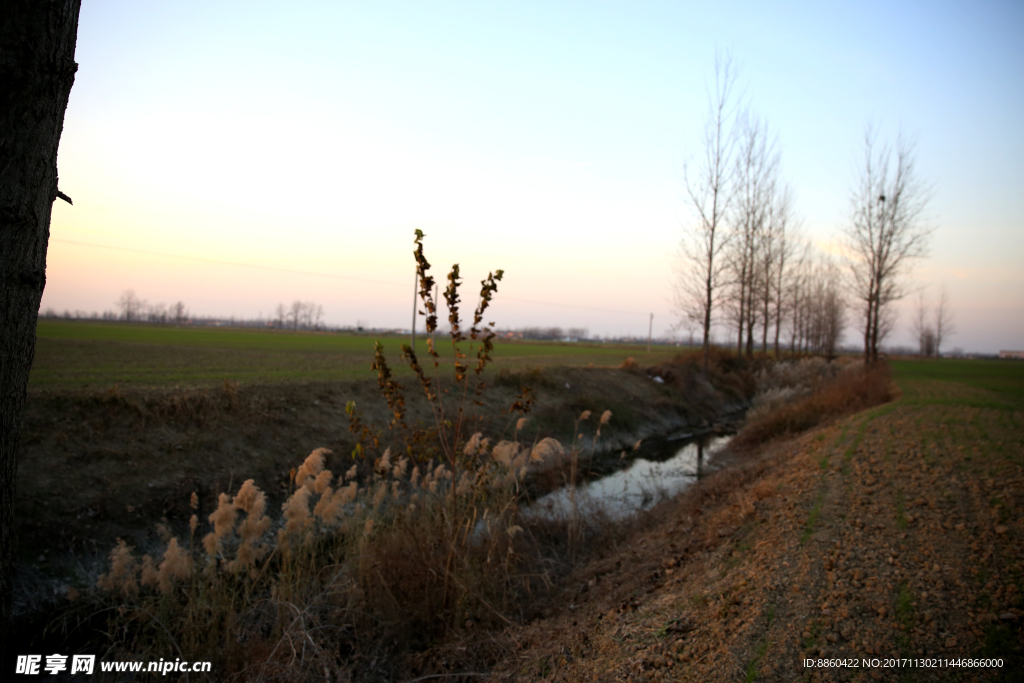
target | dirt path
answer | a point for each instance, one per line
(892, 535)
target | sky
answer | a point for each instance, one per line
(235, 156)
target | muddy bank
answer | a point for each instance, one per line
(96, 467)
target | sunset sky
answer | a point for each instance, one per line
(305, 142)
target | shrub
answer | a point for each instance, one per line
(853, 388)
(805, 373)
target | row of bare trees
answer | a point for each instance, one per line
(760, 240)
(746, 258)
(550, 333)
(301, 315)
(133, 309)
(744, 263)
(817, 307)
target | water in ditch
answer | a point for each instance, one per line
(639, 486)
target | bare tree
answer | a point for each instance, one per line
(923, 332)
(37, 70)
(885, 235)
(829, 309)
(786, 238)
(131, 305)
(943, 320)
(309, 315)
(750, 256)
(700, 268)
(179, 313)
(295, 313)
(157, 313)
(796, 293)
(819, 308)
(927, 342)
(304, 315)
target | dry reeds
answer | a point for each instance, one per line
(423, 540)
(419, 539)
(418, 554)
(853, 388)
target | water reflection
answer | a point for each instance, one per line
(638, 487)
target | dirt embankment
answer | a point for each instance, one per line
(97, 467)
(890, 541)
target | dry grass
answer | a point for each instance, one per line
(730, 374)
(420, 540)
(372, 573)
(852, 389)
(374, 568)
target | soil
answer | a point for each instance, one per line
(886, 546)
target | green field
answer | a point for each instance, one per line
(72, 355)
(962, 380)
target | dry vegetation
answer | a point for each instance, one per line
(406, 556)
(390, 557)
(892, 533)
(372, 570)
(802, 395)
(412, 562)
(352, 576)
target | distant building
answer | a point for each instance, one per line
(1019, 355)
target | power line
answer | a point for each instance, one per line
(334, 276)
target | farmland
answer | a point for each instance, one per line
(891, 532)
(95, 356)
(985, 383)
(888, 535)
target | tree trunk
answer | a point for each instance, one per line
(742, 314)
(707, 319)
(37, 69)
(778, 323)
(867, 333)
(766, 312)
(751, 318)
(876, 323)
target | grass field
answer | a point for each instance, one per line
(94, 355)
(980, 382)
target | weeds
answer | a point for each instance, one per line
(812, 519)
(906, 615)
(751, 673)
(852, 389)
(421, 537)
